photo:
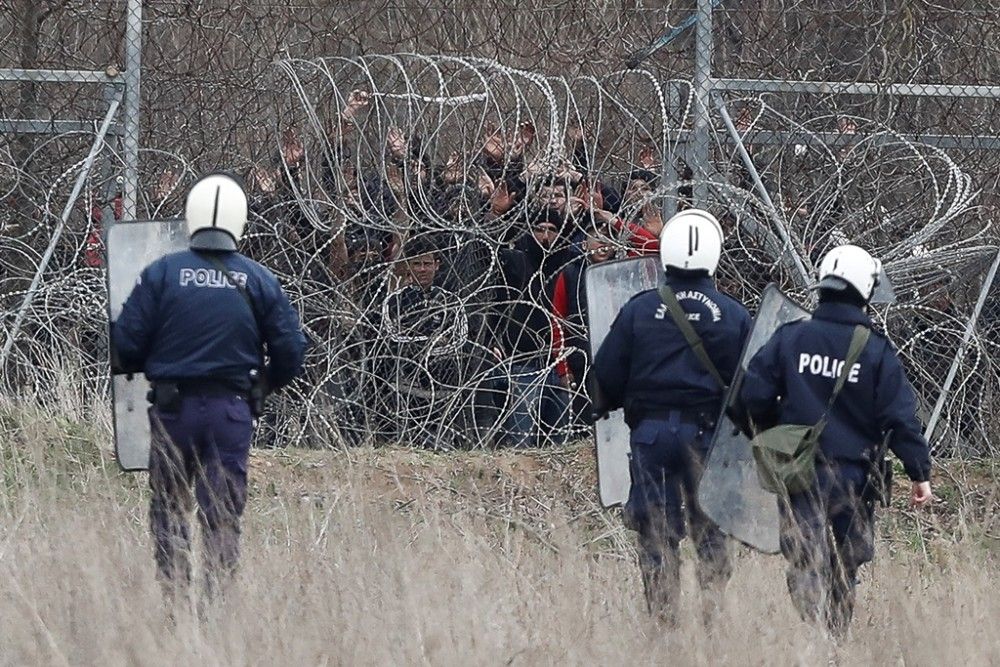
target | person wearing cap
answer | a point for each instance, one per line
(199, 324)
(672, 398)
(790, 381)
(526, 333)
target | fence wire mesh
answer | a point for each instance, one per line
(429, 181)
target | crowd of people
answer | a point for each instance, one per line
(459, 286)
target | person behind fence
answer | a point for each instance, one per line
(569, 305)
(843, 381)
(425, 328)
(198, 324)
(526, 328)
(667, 359)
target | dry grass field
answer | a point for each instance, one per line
(403, 557)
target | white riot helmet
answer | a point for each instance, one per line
(692, 241)
(216, 212)
(849, 265)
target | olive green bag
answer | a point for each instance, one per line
(786, 454)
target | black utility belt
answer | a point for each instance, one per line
(704, 418)
(210, 388)
(167, 395)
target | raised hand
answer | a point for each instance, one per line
(263, 179)
(167, 183)
(485, 184)
(452, 172)
(396, 142)
(524, 137)
(646, 157)
(493, 143)
(356, 101)
(292, 149)
(501, 200)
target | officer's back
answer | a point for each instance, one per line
(801, 363)
(672, 395)
(187, 320)
(647, 366)
(198, 324)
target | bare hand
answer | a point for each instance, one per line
(568, 381)
(575, 205)
(485, 184)
(646, 159)
(357, 100)
(292, 149)
(167, 183)
(501, 200)
(652, 220)
(394, 177)
(264, 179)
(493, 143)
(592, 196)
(452, 169)
(396, 142)
(524, 138)
(921, 494)
(575, 133)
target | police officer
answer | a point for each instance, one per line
(790, 381)
(671, 401)
(197, 324)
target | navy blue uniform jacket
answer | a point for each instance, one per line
(791, 378)
(185, 321)
(645, 364)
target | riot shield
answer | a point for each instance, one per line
(729, 492)
(609, 286)
(131, 247)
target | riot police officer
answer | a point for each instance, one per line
(791, 380)
(672, 394)
(198, 324)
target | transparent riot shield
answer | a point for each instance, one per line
(729, 493)
(609, 286)
(131, 247)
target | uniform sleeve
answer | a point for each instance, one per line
(897, 412)
(133, 332)
(286, 344)
(762, 385)
(614, 360)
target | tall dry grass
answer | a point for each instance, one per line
(338, 570)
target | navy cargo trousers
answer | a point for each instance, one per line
(827, 534)
(667, 459)
(200, 453)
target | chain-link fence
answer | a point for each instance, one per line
(430, 181)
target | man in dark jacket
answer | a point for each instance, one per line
(526, 324)
(790, 381)
(198, 324)
(671, 400)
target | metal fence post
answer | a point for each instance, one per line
(701, 147)
(789, 251)
(43, 264)
(133, 77)
(960, 355)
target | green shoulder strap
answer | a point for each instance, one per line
(858, 341)
(693, 339)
